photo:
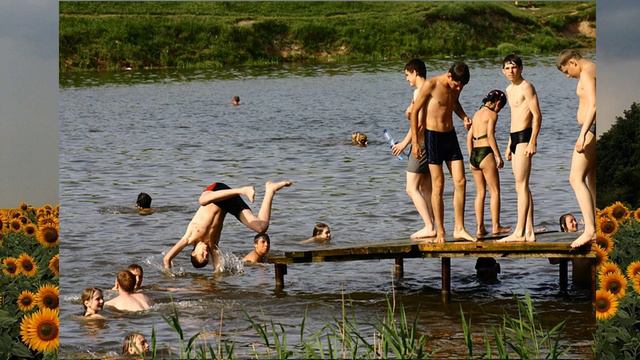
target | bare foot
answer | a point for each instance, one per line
(511, 238)
(250, 193)
(463, 235)
(275, 186)
(500, 230)
(439, 238)
(530, 236)
(425, 232)
(481, 231)
(583, 239)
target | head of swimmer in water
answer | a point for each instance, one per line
(495, 100)
(322, 232)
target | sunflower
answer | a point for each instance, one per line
(47, 207)
(606, 305)
(633, 270)
(604, 241)
(615, 283)
(636, 214)
(54, 265)
(607, 225)
(29, 229)
(47, 297)
(15, 225)
(26, 265)
(635, 282)
(24, 206)
(41, 330)
(10, 266)
(601, 256)
(47, 220)
(619, 211)
(48, 236)
(608, 268)
(24, 220)
(26, 301)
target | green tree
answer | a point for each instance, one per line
(618, 169)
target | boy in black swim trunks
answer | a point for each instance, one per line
(218, 199)
(525, 127)
(439, 98)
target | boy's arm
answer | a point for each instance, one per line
(469, 141)
(457, 108)
(589, 86)
(175, 250)
(532, 99)
(418, 103)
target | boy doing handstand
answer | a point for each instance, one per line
(218, 199)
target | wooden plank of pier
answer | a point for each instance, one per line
(548, 245)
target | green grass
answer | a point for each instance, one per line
(115, 35)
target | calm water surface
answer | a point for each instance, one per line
(172, 133)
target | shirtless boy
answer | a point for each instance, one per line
(128, 299)
(583, 161)
(438, 97)
(525, 127)
(261, 245)
(418, 179)
(218, 199)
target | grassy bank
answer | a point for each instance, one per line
(117, 35)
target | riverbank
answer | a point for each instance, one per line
(195, 35)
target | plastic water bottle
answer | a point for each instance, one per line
(391, 142)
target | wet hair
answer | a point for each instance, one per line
(197, 263)
(261, 236)
(126, 281)
(144, 201)
(460, 72)
(137, 268)
(318, 228)
(563, 222)
(494, 96)
(512, 58)
(566, 55)
(86, 295)
(359, 138)
(418, 66)
(129, 343)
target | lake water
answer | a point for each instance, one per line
(172, 133)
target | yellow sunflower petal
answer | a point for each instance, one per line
(604, 241)
(48, 235)
(54, 265)
(619, 211)
(608, 226)
(606, 305)
(635, 282)
(40, 331)
(601, 256)
(609, 267)
(10, 267)
(633, 270)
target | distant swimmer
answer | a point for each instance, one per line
(143, 204)
(135, 344)
(205, 228)
(523, 141)
(92, 302)
(321, 234)
(583, 161)
(235, 101)
(261, 244)
(358, 138)
(568, 223)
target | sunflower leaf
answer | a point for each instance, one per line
(19, 350)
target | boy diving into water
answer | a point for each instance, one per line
(218, 199)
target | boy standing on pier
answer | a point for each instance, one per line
(525, 127)
(418, 179)
(218, 199)
(583, 162)
(438, 97)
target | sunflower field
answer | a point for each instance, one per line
(618, 296)
(29, 279)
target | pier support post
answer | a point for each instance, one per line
(281, 271)
(399, 268)
(446, 279)
(563, 274)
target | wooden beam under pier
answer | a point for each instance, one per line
(552, 245)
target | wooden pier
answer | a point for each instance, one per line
(552, 245)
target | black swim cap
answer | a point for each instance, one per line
(495, 95)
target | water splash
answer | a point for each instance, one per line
(230, 263)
